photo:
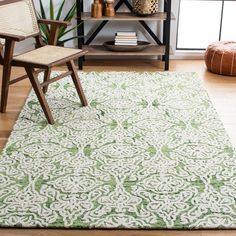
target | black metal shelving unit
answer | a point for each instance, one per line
(160, 48)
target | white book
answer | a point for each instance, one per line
(122, 41)
(126, 33)
(126, 44)
(126, 37)
(121, 38)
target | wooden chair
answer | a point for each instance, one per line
(18, 22)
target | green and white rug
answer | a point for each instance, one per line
(149, 152)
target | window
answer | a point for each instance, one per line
(202, 22)
(229, 19)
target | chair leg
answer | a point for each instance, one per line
(75, 78)
(6, 74)
(47, 74)
(39, 92)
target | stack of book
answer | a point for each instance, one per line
(126, 39)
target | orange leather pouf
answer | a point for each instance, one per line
(220, 57)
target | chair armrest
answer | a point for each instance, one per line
(12, 37)
(54, 22)
(54, 29)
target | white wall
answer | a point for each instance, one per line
(109, 30)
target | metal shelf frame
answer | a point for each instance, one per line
(166, 28)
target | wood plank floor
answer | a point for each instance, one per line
(222, 90)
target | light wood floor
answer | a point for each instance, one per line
(222, 90)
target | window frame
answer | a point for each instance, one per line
(177, 27)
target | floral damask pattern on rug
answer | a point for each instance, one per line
(148, 152)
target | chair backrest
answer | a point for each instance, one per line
(18, 17)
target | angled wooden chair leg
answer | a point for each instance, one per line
(6, 74)
(39, 92)
(47, 74)
(75, 78)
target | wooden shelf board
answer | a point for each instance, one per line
(99, 50)
(121, 16)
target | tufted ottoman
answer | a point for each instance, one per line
(220, 57)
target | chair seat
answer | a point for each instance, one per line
(48, 56)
